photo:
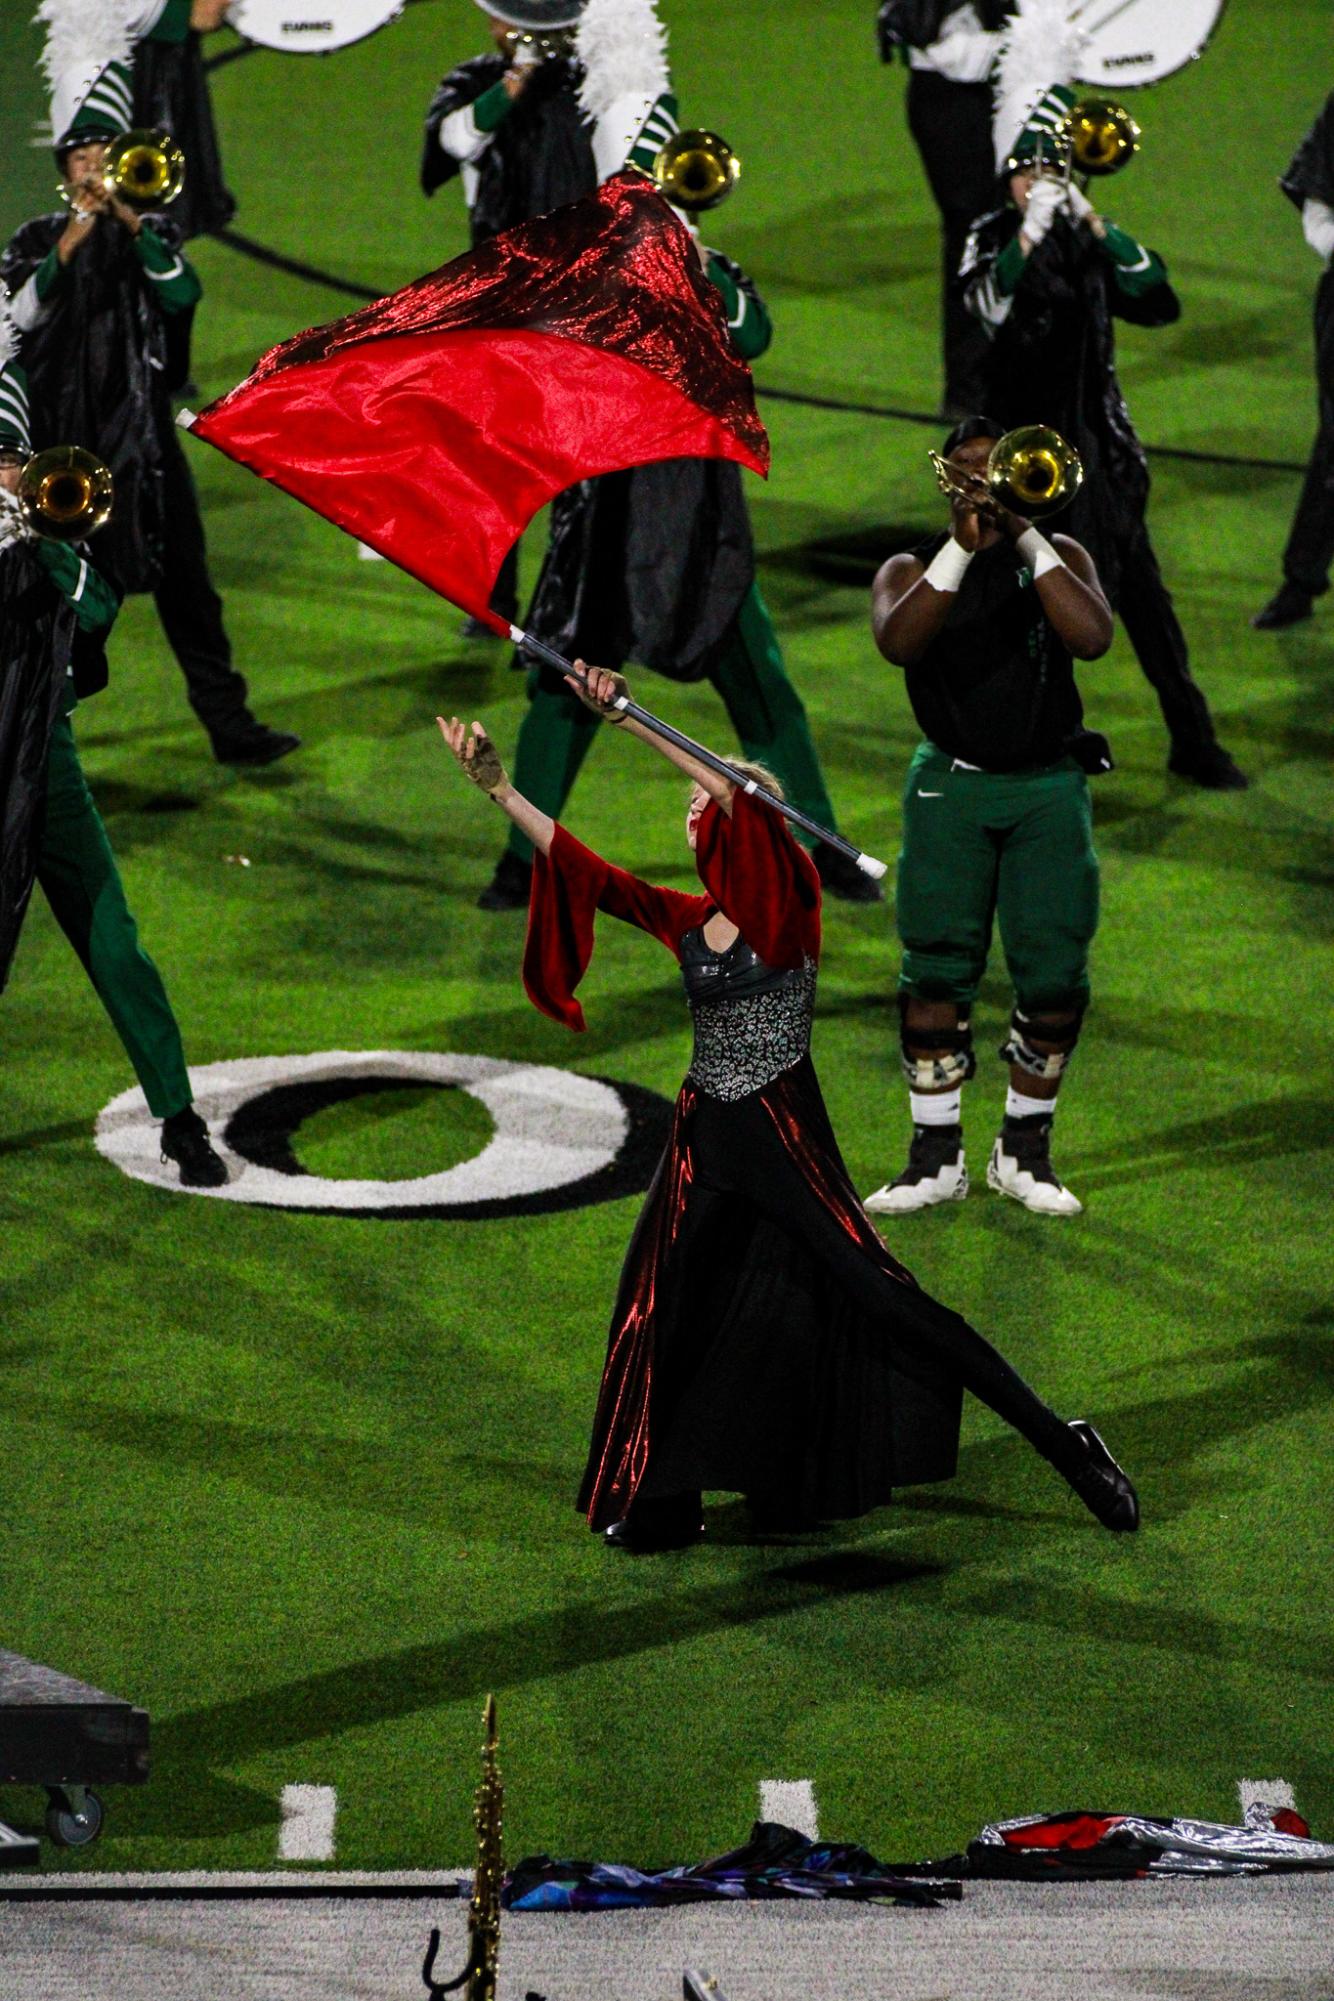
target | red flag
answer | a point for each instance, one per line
(435, 423)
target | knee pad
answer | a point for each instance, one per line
(1018, 1048)
(936, 1059)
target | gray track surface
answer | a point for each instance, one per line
(1268, 1939)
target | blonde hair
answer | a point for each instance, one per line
(760, 773)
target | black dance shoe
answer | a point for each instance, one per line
(1101, 1485)
(1289, 605)
(184, 1139)
(509, 887)
(672, 1523)
(841, 877)
(249, 742)
(1209, 765)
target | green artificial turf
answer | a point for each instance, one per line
(301, 1485)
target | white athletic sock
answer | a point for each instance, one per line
(1017, 1106)
(936, 1108)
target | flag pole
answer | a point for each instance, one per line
(634, 713)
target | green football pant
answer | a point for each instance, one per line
(79, 877)
(766, 711)
(1015, 846)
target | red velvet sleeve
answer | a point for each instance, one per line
(758, 876)
(569, 886)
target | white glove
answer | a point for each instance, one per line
(1045, 198)
(1078, 203)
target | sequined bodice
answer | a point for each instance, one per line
(751, 1022)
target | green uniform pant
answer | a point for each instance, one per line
(78, 874)
(766, 712)
(1017, 846)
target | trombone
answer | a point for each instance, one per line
(1030, 471)
(65, 493)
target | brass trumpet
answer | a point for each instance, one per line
(143, 167)
(1030, 471)
(65, 493)
(696, 170)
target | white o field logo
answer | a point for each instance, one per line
(560, 1140)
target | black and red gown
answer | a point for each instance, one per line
(764, 1340)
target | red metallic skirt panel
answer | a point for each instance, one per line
(764, 1340)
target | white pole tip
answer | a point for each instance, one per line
(870, 866)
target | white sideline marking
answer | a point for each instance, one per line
(367, 554)
(1271, 1792)
(307, 1832)
(791, 1802)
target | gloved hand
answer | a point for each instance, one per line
(1078, 203)
(1045, 198)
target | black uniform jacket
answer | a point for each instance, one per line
(171, 90)
(101, 367)
(39, 641)
(1053, 361)
(649, 565)
(540, 157)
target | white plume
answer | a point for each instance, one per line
(84, 35)
(1040, 45)
(623, 48)
(9, 333)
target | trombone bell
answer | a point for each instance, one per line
(65, 493)
(1103, 136)
(696, 170)
(145, 167)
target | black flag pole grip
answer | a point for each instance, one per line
(632, 712)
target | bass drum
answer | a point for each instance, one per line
(1141, 41)
(310, 27)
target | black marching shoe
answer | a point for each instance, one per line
(672, 1523)
(841, 877)
(245, 741)
(1289, 605)
(1100, 1483)
(509, 887)
(185, 1140)
(1209, 765)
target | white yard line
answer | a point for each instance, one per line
(791, 1802)
(307, 1832)
(1270, 1792)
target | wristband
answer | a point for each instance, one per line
(945, 571)
(1038, 553)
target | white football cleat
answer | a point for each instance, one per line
(1025, 1172)
(936, 1172)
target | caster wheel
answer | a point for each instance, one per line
(74, 1821)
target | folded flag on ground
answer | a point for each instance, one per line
(433, 424)
(775, 1862)
(1076, 1846)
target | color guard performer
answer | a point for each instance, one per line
(764, 1341)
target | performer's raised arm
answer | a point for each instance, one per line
(600, 693)
(479, 760)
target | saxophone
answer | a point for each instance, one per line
(478, 1978)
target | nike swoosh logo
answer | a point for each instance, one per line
(929, 795)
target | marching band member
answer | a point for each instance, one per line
(764, 1341)
(987, 621)
(509, 125)
(657, 564)
(57, 613)
(1309, 184)
(1048, 277)
(950, 51)
(104, 296)
(144, 59)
